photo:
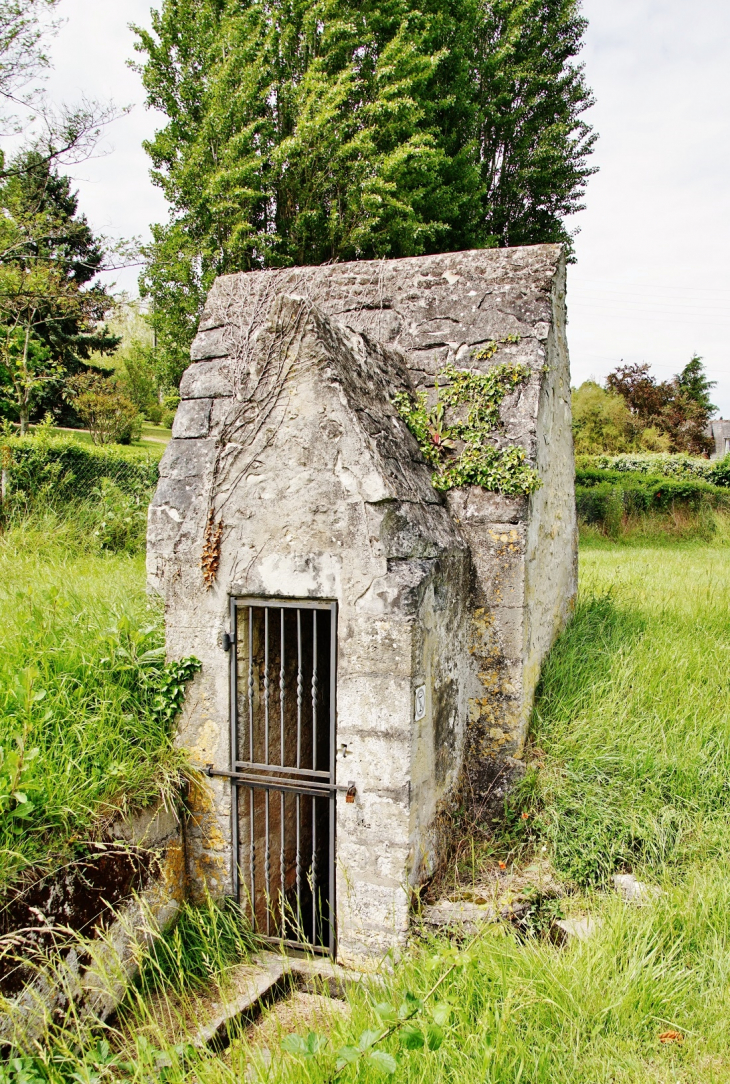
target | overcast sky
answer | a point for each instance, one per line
(652, 278)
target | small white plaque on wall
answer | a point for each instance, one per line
(420, 702)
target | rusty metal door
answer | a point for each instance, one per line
(282, 770)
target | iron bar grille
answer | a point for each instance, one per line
(283, 717)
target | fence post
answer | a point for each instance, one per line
(5, 460)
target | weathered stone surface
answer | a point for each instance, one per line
(207, 380)
(322, 493)
(633, 890)
(90, 930)
(192, 419)
(458, 916)
(209, 343)
(574, 929)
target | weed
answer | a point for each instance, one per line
(203, 942)
(86, 701)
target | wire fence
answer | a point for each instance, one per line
(60, 471)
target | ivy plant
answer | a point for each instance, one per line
(456, 433)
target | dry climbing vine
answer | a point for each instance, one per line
(456, 433)
(211, 556)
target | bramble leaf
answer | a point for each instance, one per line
(368, 1038)
(411, 1037)
(383, 1061)
(346, 1055)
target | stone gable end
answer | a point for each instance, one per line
(290, 463)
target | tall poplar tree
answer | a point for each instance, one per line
(302, 131)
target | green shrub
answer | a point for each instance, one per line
(661, 465)
(719, 474)
(110, 416)
(596, 494)
(57, 471)
(153, 413)
(122, 518)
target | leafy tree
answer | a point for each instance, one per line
(305, 132)
(137, 377)
(679, 408)
(50, 308)
(693, 383)
(602, 422)
(109, 415)
(22, 57)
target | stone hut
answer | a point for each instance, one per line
(719, 432)
(370, 647)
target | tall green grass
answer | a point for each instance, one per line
(81, 645)
(634, 717)
(632, 732)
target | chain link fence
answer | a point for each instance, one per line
(104, 489)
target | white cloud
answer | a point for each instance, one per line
(652, 281)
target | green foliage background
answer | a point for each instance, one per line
(299, 133)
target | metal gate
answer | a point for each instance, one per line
(283, 712)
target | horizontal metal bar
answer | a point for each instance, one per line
(271, 603)
(262, 782)
(305, 946)
(256, 766)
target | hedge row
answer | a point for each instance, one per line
(601, 494)
(63, 469)
(716, 472)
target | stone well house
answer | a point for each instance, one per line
(369, 647)
(719, 430)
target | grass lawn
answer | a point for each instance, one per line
(154, 438)
(629, 770)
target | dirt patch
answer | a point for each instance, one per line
(46, 914)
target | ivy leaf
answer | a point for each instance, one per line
(411, 1037)
(383, 1061)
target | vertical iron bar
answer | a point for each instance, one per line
(266, 685)
(267, 863)
(300, 691)
(267, 841)
(250, 683)
(282, 759)
(252, 843)
(331, 919)
(314, 768)
(235, 885)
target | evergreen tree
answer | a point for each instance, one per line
(50, 308)
(301, 132)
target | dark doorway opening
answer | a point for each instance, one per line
(282, 768)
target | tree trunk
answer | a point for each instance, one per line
(25, 396)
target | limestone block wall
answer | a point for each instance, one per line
(324, 495)
(287, 440)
